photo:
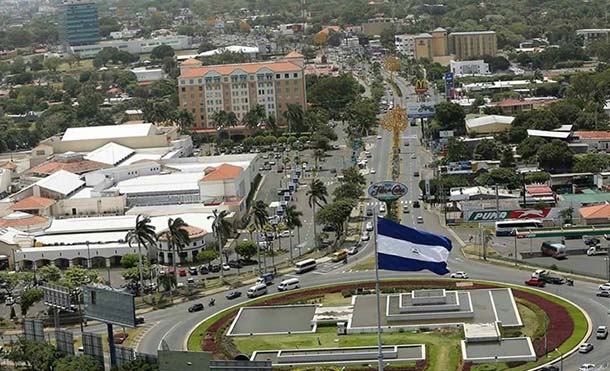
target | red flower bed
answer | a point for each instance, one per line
(560, 326)
(466, 366)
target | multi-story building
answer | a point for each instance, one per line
(405, 45)
(377, 26)
(466, 45)
(593, 34)
(133, 46)
(81, 23)
(439, 42)
(474, 67)
(205, 90)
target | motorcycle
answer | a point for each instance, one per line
(211, 303)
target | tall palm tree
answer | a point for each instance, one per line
(317, 194)
(231, 120)
(223, 229)
(220, 120)
(156, 111)
(318, 155)
(271, 124)
(177, 237)
(261, 219)
(144, 235)
(292, 218)
(294, 117)
(184, 119)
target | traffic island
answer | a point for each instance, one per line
(450, 344)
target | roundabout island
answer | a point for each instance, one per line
(426, 325)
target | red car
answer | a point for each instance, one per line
(182, 272)
(535, 282)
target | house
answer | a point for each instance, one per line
(489, 124)
(597, 214)
(595, 140)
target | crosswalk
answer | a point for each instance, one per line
(328, 267)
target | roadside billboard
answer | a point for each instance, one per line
(420, 110)
(107, 305)
(493, 215)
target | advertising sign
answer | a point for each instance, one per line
(56, 296)
(109, 306)
(33, 329)
(445, 133)
(420, 110)
(448, 81)
(492, 215)
(92, 346)
(65, 341)
(427, 187)
(387, 191)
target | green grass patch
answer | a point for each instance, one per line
(365, 264)
(395, 87)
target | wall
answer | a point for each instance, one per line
(90, 206)
(121, 173)
(131, 142)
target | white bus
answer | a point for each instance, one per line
(305, 266)
(507, 227)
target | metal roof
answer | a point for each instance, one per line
(62, 182)
(108, 132)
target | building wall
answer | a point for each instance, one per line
(134, 46)
(468, 45)
(439, 43)
(377, 26)
(238, 187)
(120, 173)
(81, 24)
(5, 181)
(423, 48)
(405, 45)
(95, 206)
(475, 67)
(151, 141)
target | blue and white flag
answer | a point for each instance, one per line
(401, 248)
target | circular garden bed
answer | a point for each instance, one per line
(566, 325)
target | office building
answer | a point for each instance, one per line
(81, 23)
(205, 90)
(405, 45)
(423, 46)
(467, 45)
(376, 26)
(439, 42)
(133, 46)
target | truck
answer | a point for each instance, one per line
(266, 278)
(546, 277)
(596, 250)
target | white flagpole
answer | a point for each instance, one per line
(377, 293)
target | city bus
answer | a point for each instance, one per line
(507, 227)
(305, 266)
(340, 255)
(555, 249)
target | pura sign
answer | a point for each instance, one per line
(387, 191)
(492, 215)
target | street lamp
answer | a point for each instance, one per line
(274, 222)
(88, 255)
(560, 359)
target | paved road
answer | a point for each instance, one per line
(173, 324)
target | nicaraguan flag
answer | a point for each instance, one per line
(401, 248)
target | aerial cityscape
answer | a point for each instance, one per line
(307, 185)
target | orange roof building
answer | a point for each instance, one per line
(33, 205)
(597, 214)
(237, 88)
(222, 172)
(76, 167)
(24, 221)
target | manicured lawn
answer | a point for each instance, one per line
(365, 264)
(85, 65)
(442, 345)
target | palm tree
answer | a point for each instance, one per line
(144, 235)
(156, 111)
(220, 119)
(318, 155)
(231, 120)
(184, 119)
(317, 195)
(222, 228)
(292, 218)
(261, 218)
(177, 237)
(294, 117)
(271, 124)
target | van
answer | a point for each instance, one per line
(288, 284)
(539, 273)
(339, 255)
(257, 290)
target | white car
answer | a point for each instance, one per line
(585, 348)
(226, 267)
(353, 250)
(369, 226)
(587, 367)
(459, 275)
(379, 137)
(365, 236)
(382, 208)
(373, 171)
(420, 219)
(286, 234)
(604, 286)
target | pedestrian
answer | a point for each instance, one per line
(319, 341)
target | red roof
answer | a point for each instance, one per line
(33, 202)
(226, 69)
(599, 134)
(595, 212)
(538, 189)
(223, 172)
(513, 102)
(75, 167)
(20, 219)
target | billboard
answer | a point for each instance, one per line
(56, 296)
(33, 329)
(124, 355)
(420, 110)
(92, 346)
(445, 134)
(65, 342)
(107, 305)
(387, 191)
(493, 215)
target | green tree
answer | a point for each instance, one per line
(292, 218)
(332, 94)
(451, 116)
(336, 214)
(457, 151)
(129, 260)
(261, 220)
(316, 195)
(529, 147)
(49, 273)
(33, 355)
(500, 176)
(294, 117)
(184, 119)
(591, 162)
(143, 234)
(206, 256)
(361, 115)
(156, 111)
(29, 297)
(486, 150)
(246, 249)
(350, 191)
(162, 51)
(177, 237)
(51, 63)
(139, 365)
(555, 155)
(77, 276)
(80, 363)
(223, 229)
(352, 175)
(507, 160)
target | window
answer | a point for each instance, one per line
(295, 75)
(93, 297)
(191, 81)
(286, 75)
(277, 75)
(183, 89)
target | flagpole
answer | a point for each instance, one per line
(378, 295)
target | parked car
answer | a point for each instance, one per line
(235, 264)
(203, 269)
(190, 281)
(226, 267)
(420, 219)
(587, 367)
(120, 337)
(196, 308)
(214, 268)
(459, 275)
(585, 348)
(193, 271)
(416, 204)
(369, 227)
(592, 241)
(550, 368)
(285, 234)
(604, 286)
(353, 250)
(182, 272)
(535, 282)
(601, 332)
(233, 295)
(139, 320)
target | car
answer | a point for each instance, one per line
(196, 308)
(235, 264)
(416, 204)
(9, 301)
(182, 272)
(190, 281)
(603, 294)
(550, 368)
(604, 286)
(535, 282)
(585, 348)
(587, 367)
(601, 332)
(413, 156)
(329, 228)
(233, 295)
(203, 269)
(373, 171)
(120, 337)
(420, 219)
(382, 208)
(369, 212)
(171, 270)
(379, 136)
(592, 241)
(405, 209)
(369, 227)
(416, 174)
(214, 268)
(406, 144)
(365, 236)
(226, 267)
(460, 275)
(352, 250)
(139, 320)
(193, 271)
(285, 234)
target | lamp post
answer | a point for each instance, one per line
(274, 222)
(560, 359)
(88, 255)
